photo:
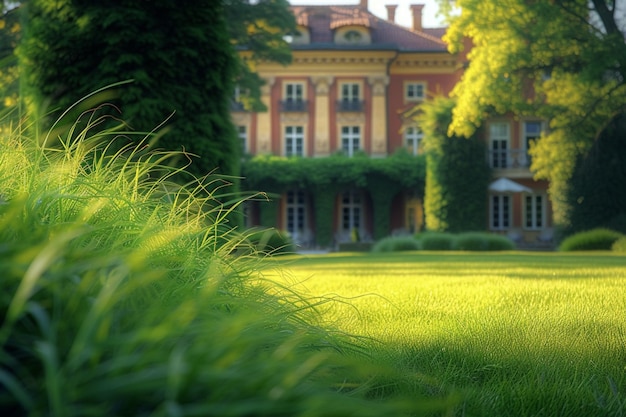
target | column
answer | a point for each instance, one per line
(321, 138)
(379, 114)
(264, 119)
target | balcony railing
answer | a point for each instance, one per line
(236, 106)
(508, 159)
(294, 106)
(350, 105)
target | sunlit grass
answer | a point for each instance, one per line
(516, 334)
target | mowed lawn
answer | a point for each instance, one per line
(505, 334)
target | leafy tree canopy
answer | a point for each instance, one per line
(259, 29)
(562, 60)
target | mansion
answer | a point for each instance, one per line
(350, 90)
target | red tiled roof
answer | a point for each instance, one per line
(322, 20)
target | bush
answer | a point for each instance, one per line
(619, 245)
(596, 239)
(396, 244)
(480, 241)
(271, 241)
(435, 240)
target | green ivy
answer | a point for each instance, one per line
(457, 174)
(325, 177)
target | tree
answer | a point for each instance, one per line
(563, 60)
(179, 59)
(456, 186)
(258, 30)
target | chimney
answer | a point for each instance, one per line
(363, 4)
(417, 17)
(391, 12)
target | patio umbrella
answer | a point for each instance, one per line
(505, 185)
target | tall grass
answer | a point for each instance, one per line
(121, 295)
(515, 334)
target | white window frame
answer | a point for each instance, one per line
(528, 136)
(499, 218)
(294, 140)
(352, 211)
(499, 145)
(413, 137)
(350, 139)
(535, 215)
(415, 91)
(294, 92)
(296, 216)
(350, 94)
(242, 133)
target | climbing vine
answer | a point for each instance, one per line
(325, 177)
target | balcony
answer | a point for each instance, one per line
(236, 106)
(508, 159)
(294, 106)
(350, 105)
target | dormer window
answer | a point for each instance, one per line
(299, 37)
(352, 35)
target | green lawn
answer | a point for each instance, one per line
(507, 334)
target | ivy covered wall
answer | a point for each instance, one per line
(325, 177)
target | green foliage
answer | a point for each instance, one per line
(456, 179)
(593, 197)
(270, 241)
(546, 59)
(258, 30)
(436, 240)
(480, 241)
(324, 177)
(179, 59)
(117, 299)
(619, 245)
(396, 244)
(596, 239)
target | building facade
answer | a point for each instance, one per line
(353, 78)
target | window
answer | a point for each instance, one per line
(293, 97)
(414, 91)
(236, 103)
(350, 97)
(351, 211)
(353, 36)
(413, 139)
(350, 139)
(499, 134)
(532, 132)
(294, 92)
(500, 210)
(534, 212)
(296, 214)
(294, 141)
(242, 132)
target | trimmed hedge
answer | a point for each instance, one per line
(436, 240)
(481, 241)
(396, 244)
(619, 245)
(596, 239)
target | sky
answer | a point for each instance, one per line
(377, 7)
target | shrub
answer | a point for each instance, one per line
(619, 245)
(480, 241)
(271, 241)
(396, 244)
(596, 239)
(435, 240)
